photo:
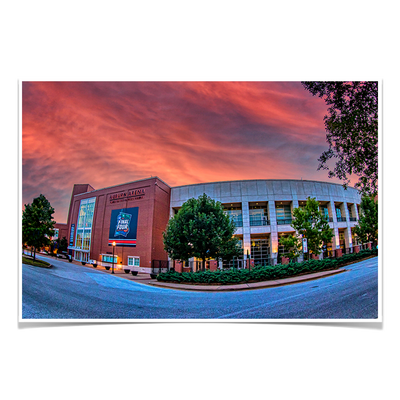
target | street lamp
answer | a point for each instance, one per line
(113, 244)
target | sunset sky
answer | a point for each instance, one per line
(109, 133)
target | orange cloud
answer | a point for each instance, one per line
(107, 133)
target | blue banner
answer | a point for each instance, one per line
(123, 227)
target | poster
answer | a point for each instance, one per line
(123, 227)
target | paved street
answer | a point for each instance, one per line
(69, 291)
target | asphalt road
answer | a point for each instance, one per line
(68, 291)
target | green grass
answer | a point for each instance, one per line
(35, 263)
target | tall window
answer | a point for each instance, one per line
(84, 228)
(260, 250)
(258, 214)
(351, 216)
(324, 211)
(235, 212)
(339, 216)
(283, 214)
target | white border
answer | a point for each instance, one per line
(370, 325)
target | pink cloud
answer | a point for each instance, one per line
(107, 133)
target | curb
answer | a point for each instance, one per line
(247, 286)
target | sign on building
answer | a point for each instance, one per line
(123, 227)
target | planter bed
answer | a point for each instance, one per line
(36, 263)
(232, 277)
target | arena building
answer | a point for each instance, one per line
(262, 210)
(124, 223)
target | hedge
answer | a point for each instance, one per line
(263, 273)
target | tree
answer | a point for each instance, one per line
(292, 246)
(201, 229)
(310, 223)
(62, 244)
(352, 131)
(367, 227)
(37, 223)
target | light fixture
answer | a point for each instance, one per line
(113, 244)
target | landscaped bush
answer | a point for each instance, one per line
(261, 273)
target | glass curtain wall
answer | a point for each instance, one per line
(261, 250)
(283, 214)
(324, 210)
(258, 213)
(235, 212)
(84, 229)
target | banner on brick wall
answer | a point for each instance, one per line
(123, 227)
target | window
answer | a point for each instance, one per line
(350, 212)
(78, 241)
(281, 249)
(84, 225)
(258, 214)
(81, 256)
(86, 240)
(235, 212)
(325, 212)
(283, 214)
(260, 250)
(339, 216)
(109, 258)
(133, 261)
(351, 216)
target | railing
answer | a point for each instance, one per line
(341, 219)
(238, 221)
(235, 263)
(257, 221)
(353, 219)
(264, 262)
(284, 221)
(158, 266)
(330, 253)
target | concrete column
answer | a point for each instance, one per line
(355, 209)
(274, 231)
(295, 204)
(332, 211)
(246, 229)
(347, 232)
(335, 239)
(213, 265)
(332, 214)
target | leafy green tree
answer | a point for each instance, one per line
(352, 131)
(201, 229)
(367, 227)
(292, 246)
(310, 223)
(37, 223)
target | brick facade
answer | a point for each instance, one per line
(151, 196)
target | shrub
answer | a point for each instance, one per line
(261, 273)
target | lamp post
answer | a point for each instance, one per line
(113, 244)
